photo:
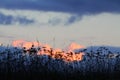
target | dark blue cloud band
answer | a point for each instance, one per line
(71, 6)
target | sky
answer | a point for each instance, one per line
(60, 22)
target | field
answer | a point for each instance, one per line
(98, 63)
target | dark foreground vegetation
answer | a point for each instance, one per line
(99, 64)
(58, 76)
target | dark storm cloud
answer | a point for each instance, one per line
(80, 7)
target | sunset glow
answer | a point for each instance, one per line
(68, 55)
(60, 39)
(73, 46)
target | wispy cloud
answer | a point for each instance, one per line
(9, 16)
(9, 19)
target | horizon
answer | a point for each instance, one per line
(59, 23)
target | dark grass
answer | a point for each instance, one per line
(46, 68)
(59, 76)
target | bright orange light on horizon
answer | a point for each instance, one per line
(18, 43)
(73, 46)
(23, 43)
(68, 55)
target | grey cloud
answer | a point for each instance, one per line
(9, 19)
(77, 7)
(73, 19)
(80, 7)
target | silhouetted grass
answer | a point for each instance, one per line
(14, 66)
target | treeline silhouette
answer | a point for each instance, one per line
(19, 63)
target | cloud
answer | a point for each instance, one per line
(80, 7)
(26, 17)
(53, 12)
(9, 19)
(102, 29)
